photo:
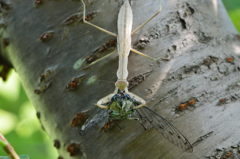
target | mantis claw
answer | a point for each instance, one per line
(105, 100)
(108, 98)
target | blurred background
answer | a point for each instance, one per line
(233, 8)
(18, 121)
(19, 124)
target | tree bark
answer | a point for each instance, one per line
(199, 39)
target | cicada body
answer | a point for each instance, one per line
(122, 106)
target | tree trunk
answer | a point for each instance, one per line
(198, 37)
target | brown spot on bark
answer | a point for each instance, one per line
(38, 114)
(5, 5)
(207, 62)
(38, 2)
(222, 100)
(112, 42)
(182, 106)
(194, 69)
(71, 19)
(56, 144)
(47, 74)
(46, 36)
(90, 16)
(79, 119)
(228, 154)
(214, 59)
(191, 102)
(109, 45)
(73, 149)
(5, 42)
(230, 59)
(91, 58)
(41, 88)
(136, 80)
(96, 54)
(186, 104)
(102, 49)
(74, 82)
(141, 43)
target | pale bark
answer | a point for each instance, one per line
(197, 38)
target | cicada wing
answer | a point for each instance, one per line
(166, 129)
(100, 118)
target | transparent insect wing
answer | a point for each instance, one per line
(100, 118)
(166, 129)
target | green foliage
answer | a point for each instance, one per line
(19, 124)
(233, 8)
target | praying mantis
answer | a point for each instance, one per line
(123, 105)
(125, 20)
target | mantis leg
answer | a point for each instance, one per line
(104, 30)
(137, 98)
(142, 54)
(160, 8)
(106, 99)
(101, 59)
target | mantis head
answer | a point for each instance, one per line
(121, 84)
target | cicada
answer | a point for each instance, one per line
(122, 106)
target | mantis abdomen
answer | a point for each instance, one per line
(125, 19)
